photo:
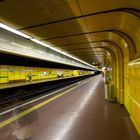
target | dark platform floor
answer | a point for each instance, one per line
(81, 114)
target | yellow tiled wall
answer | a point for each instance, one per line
(3, 74)
(132, 97)
(10, 73)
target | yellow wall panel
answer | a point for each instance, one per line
(9, 73)
(132, 102)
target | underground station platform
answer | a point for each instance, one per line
(79, 112)
(69, 70)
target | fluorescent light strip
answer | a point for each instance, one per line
(14, 31)
(59, 51)
(39, 42)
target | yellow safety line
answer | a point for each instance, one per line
(10, 120)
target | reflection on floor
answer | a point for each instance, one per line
(81, 114)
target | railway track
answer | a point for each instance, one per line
(10, 96)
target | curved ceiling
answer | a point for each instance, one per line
(79, 26)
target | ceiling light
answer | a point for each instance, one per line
(59, 51)
(41, 43)
(14, 31)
